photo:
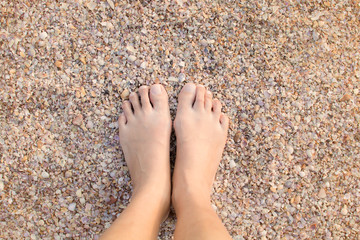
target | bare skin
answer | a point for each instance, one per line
(145, 139)
(201, 131)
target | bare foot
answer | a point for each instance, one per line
(144, 130)
(201, 131)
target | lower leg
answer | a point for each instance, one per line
(196, 218)
(142, 217)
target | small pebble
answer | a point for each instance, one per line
(131, 49)
(88, 207)
(78, 120)
(91, 5)
(288, 184)
(203, 42)
(112, 200)
(310, 153)
(143, 65)
(232, 164)
(58, 64)
(90, 124)
(72, 206)
(79, 193)
(172, 79)
(132, 58)
(31, 52)
(43, 35)
(114, 125)
(111, 4)
(68, 174)
(322, 193)
(82, 59)
(257, 128)
(125, 94)
(345, 98)
(101, 61)
(344, 210)
(237, 137)
(82, 92)
(181, 77)
(315, 36)
(45, 174)
(290, 149)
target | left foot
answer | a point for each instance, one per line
(144, 130)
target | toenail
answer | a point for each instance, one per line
(189, 88)
(156, 89)
(209, 93)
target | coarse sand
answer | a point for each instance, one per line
(287, 72)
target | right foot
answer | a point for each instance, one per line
(201, 131)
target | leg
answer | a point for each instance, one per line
(144, 131)
(201, 131)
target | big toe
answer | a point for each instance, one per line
(187, 96)
(158, 97)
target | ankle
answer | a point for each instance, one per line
(187, 196)
(158, 200)
(160, 192)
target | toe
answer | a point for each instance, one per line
(216, 107)
(127, 110)
(158, 97)
(200, 97)
(208, 101)
(187, 96)
(224, 121)
(144, 96)
(134, 99)
(122, 120)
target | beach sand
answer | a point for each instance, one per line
(287, 72)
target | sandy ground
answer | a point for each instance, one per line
(287, 73)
